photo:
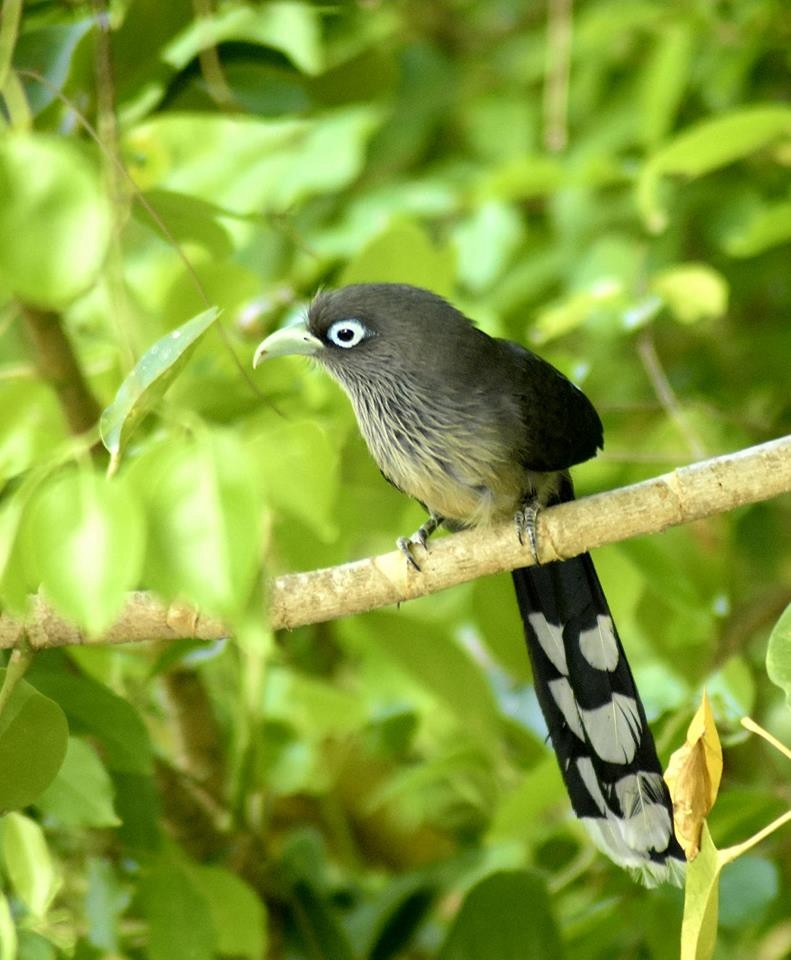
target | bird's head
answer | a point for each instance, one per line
(363, 329)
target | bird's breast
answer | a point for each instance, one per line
(457, 464)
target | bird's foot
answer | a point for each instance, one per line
(418, 539)
(525, 522)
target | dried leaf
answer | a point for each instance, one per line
(693, 776)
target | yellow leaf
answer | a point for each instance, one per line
(693, 776)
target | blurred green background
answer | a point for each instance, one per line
(607, 182)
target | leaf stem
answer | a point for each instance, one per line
(18, 664)
(750, 724)
(731, 853)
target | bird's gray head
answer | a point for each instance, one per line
(361, 331)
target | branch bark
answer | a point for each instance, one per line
(59, 367)
(681, 496)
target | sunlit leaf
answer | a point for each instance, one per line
(86, 537)
(8, 938)
(403, 253)
(201, 503)
(237, 913)
(563, 316)
(54, 220)
(248, 165)
(692, 291)
(665, 75)
(33, 738)
(293, 28)
(28, 863)
(151, 377)
(485, 243)
(705, 147)
(297, 470)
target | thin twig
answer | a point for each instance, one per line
(58, 366)
(749, 724)
(731, 853)
(666, 395)
(209, 59)
(556, 80)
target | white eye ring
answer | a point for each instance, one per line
(347, 333)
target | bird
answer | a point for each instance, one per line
(479, 430)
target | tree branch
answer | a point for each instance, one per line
(681, 496)
(59, 367)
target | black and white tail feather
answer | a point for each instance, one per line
(596, 720)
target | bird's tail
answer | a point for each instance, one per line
(596, 720)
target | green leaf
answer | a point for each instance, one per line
(8, 937)
(384, 927)
(485, 242)
(146, 384)
(441, 666)
(82, 793)
(85, 537)
(201, 505)
(28, 864)
(189, 220)
(665, 75)
(50, 51)
(247, 165)
(178, 915)
(705, 147)
(236, 912)
(54, 220)
(292, 28)
(692, 291)
(403, 253)
(33, 739)
(559, 318)
(701, 902)
(767, 227)
(508, 915)
(93, 708)
(318, 925)
(317, 709)
(778, 654)
(297, 469)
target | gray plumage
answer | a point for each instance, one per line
(467, 424)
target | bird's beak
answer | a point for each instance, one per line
(290, 340)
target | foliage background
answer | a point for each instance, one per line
(608, 182)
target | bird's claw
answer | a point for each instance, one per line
(525, 521)
(406, 544)
(418, 539)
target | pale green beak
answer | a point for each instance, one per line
(288, 341)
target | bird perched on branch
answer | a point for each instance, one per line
(479, 429)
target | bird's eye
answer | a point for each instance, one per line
(347, 333)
